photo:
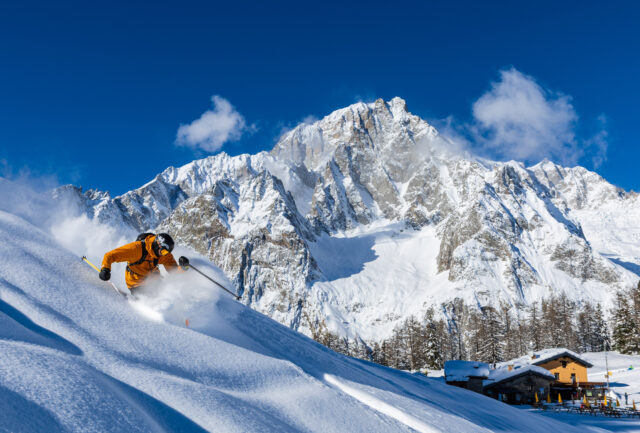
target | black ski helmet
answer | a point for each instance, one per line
(164, 242)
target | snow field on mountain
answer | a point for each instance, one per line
(614, 231)
(388, 268)
(75, 356)
(378, 275)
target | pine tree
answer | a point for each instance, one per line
(476, 337)
(414, 343)
(433, 350)
(496, 335)
(456, 313)
(493, 335)
(489, 336)
(585, 328)
(622, 328)
(565, 312)
(511, 329)
(600, 331)
(550, 336)
(446, 342)
(634, 319)
(535, 327)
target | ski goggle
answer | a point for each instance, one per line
(163, 248)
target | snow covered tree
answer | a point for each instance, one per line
(377, 354)
(485, 337)
(433, 348)
(634, 319)
(585, 328)
(592, 330)
(622, 326)
(475, 336)
(492, 351)
(558, 319)
(457, 316)
(600, 331)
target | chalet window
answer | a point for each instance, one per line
(564, 364)
(557, 375)
(573, 378)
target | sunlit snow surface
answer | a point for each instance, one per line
(75, 356)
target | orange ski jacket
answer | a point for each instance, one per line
(131, 253)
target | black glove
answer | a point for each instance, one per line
(183, 262)
(105, 274)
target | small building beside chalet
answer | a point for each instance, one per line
(466, 374)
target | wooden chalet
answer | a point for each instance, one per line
(570, 371)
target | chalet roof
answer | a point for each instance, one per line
(461, 371)
(545, 355)
(502, 374)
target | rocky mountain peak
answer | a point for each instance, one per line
(361, 125)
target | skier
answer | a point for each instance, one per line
(143, 257)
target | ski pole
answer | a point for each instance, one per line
(84, 259)
(90, 264)
(215, 282)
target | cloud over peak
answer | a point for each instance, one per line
(215, 127)
(519, 119)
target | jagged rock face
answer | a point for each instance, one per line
(303, 231)
(427, 199)
(576, 258)
(140, 210)
(254, 233)
(576, 188)
(361, 157)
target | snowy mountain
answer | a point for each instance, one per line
(77, 357)
(369, 215)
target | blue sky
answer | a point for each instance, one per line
(94, 93)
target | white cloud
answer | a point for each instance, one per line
(282, 128)
(598, 144)
(519, 119)
(214, 128)
(310, 119)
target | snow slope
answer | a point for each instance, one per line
(74, 356)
